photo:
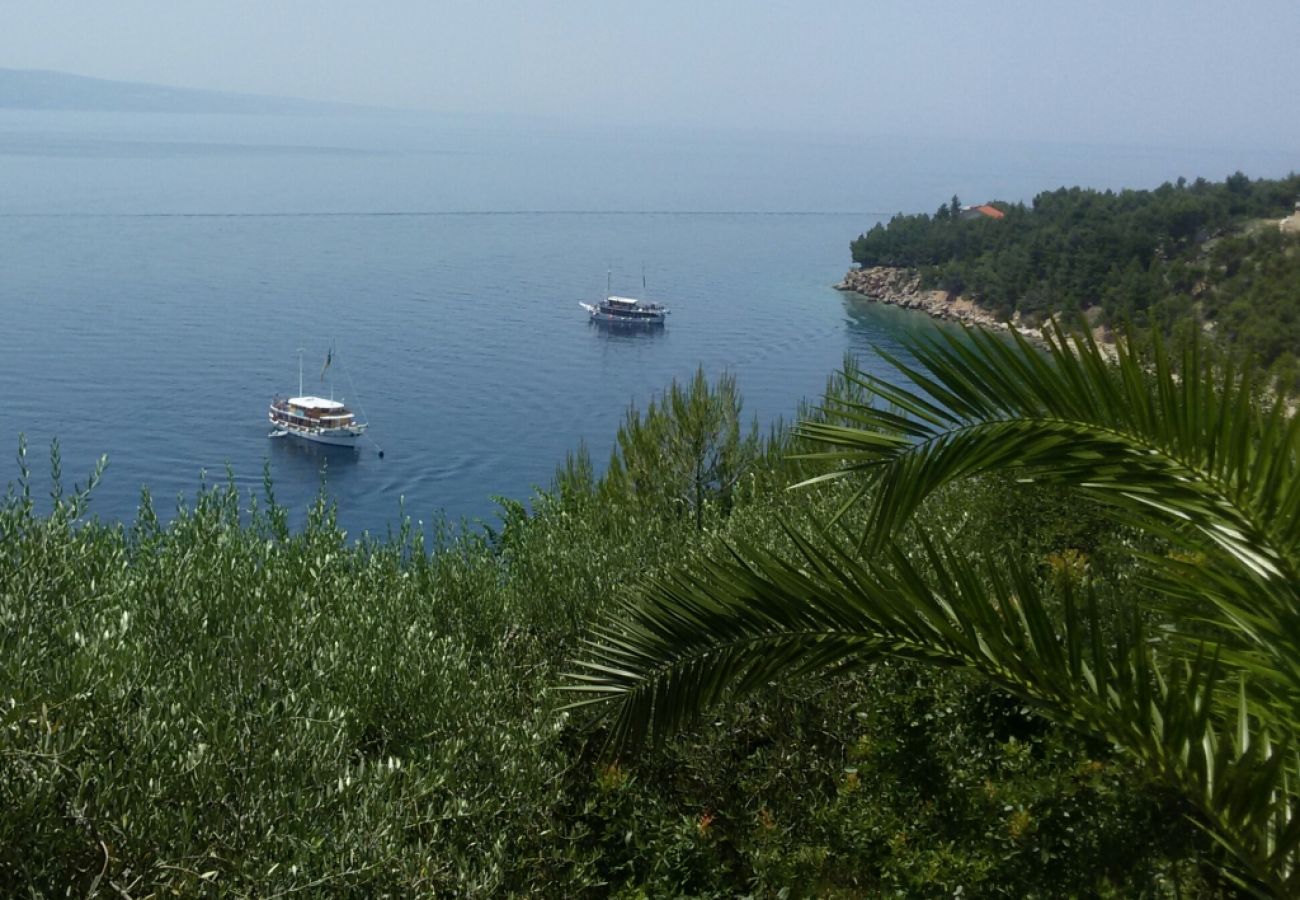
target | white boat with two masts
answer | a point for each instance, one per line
(317, 419)
(625, 310)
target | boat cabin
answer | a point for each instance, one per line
(631, 307)
(313, 411)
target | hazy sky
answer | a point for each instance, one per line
(1131, 71)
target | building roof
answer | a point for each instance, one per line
(985, 209)
(315, 403)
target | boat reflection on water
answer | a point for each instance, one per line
(309, 459)
(619, 333)
(305, 474)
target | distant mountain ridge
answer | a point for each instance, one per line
(45, 90)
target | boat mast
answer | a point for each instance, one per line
(299, 371)
(609, 277)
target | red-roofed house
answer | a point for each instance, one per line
(985, 210)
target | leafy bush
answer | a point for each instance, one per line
(220, 706)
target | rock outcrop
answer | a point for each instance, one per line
(902, 287)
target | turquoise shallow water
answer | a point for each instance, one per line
(160, 274)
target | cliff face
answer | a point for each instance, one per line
(902, 287)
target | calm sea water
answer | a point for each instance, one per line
(158, 275)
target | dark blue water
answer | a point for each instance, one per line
(158, 275)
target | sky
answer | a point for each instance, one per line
(1140, 72)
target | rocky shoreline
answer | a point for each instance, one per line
(902, 287)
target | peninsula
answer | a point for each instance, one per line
(1218, 256)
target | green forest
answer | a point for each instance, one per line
(1187, 254)
(1026, 627)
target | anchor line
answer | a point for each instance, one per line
(353, 388)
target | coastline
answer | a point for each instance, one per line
(902, 288)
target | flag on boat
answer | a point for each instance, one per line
(329, 357)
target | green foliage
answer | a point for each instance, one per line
(204, 706)
(686, 452)
(1151, 259)
(216, 705)
(1189, 665)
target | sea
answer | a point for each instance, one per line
(163, 276)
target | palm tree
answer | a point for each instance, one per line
(1202, 689)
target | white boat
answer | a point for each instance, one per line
(315, 419)
(625, 310)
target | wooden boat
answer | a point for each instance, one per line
(615, 310)
(317, 419)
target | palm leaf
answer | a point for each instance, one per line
(1183, 451)
(681, 644)
(1183, 456)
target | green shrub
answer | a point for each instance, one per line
(218, 705)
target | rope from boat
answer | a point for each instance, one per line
(361, 409)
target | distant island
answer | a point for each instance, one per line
(43, 90)
(1218, 256)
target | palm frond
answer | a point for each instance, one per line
(681, 644)
(1183, 453)
(1210, 703)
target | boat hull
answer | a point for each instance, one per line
(330, 439)
(347, 436)
(627, 321)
